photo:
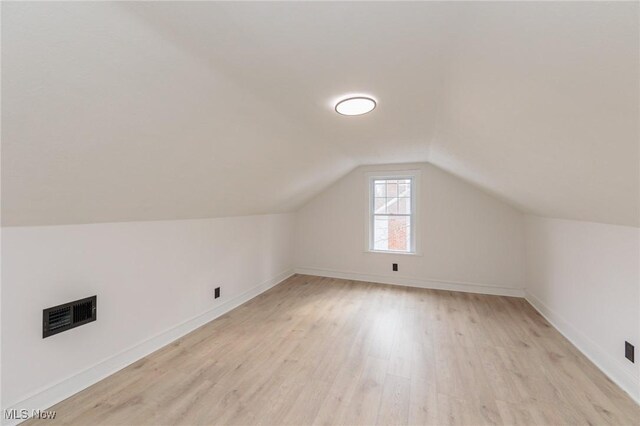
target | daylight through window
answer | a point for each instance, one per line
(391, 218)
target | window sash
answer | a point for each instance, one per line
(377, 180)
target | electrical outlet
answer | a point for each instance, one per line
(395, 267)
(629, 350)
(216, 293)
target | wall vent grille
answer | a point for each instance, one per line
(69, 315)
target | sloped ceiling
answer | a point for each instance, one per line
(148, 111)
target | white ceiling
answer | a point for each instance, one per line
(146, 111)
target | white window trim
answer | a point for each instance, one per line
(414, 175)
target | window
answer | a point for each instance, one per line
(392, 209)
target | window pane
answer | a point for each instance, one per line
(392, 188)
(404, 205)
(404, 190)
(380, 189)
(380, 205)
(392, 205)
(381, 233)
(392, 233)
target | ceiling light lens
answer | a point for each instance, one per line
(355, 106)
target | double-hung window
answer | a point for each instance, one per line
(391, 213)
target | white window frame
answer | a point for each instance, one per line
(414, 175)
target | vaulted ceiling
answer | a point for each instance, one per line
(147, 111)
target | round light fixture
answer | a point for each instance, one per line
(356, 105)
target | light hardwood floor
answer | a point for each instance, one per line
(326, 351)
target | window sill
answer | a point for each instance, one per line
(401, 253)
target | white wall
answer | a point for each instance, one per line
(584, 277)
(150, 277)
(469, 240)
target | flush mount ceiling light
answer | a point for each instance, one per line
(355, 105)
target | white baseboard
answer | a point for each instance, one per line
(605, 362)
(62, 390)
(465, 287)
(68, 387)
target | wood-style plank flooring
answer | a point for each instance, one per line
(321, 351)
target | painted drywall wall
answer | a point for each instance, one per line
(585, 278)
(468, 240)
(150, 277)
